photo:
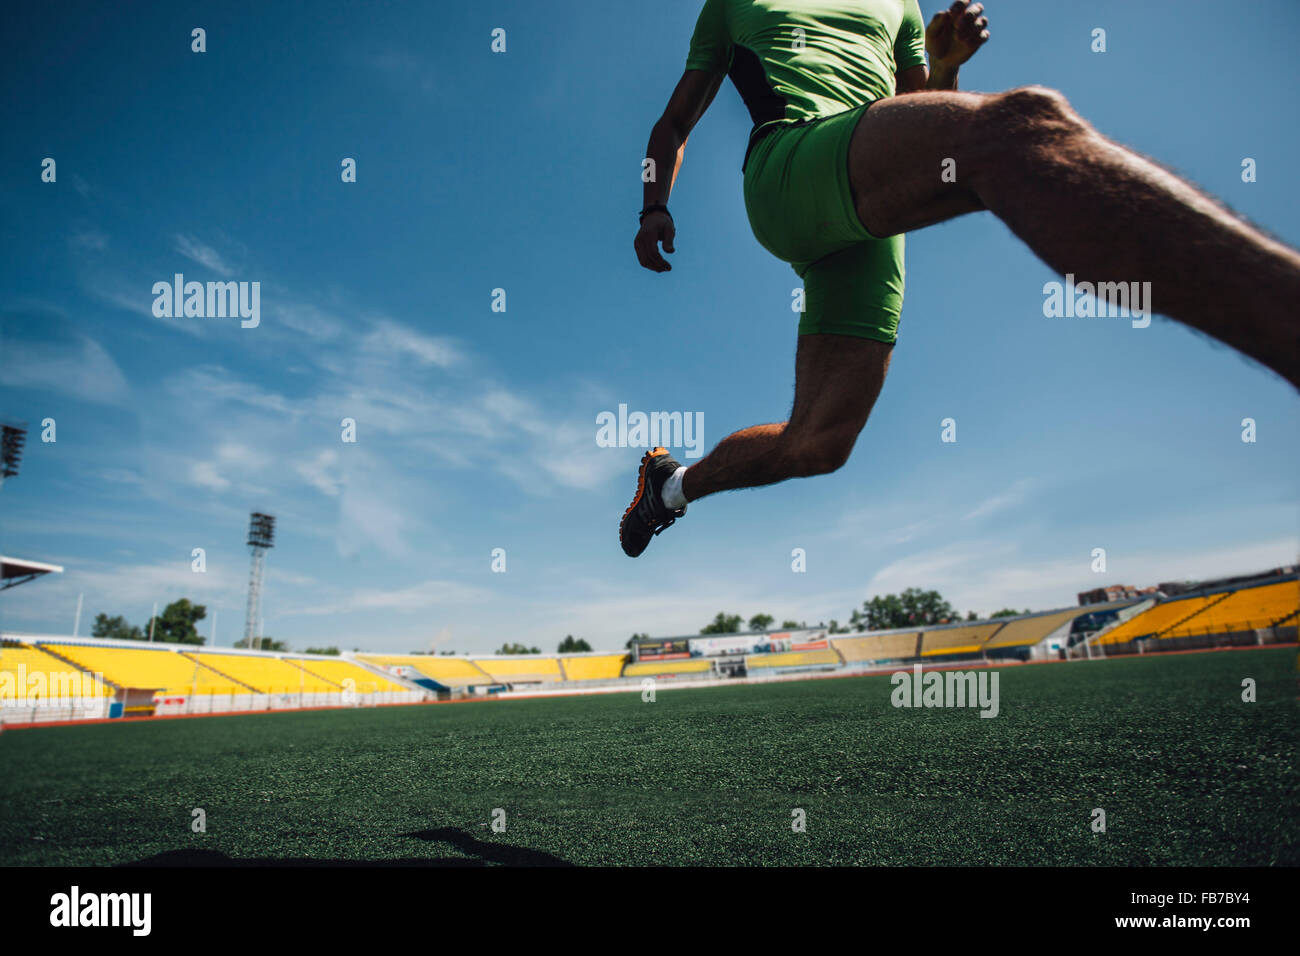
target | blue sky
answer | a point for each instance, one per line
(477, 429)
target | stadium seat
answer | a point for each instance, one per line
(447, 670)
(1160, 618)
(1246, 609)
(1030, 630)
(266, 675)
(160, 668)
(878, 647)
(967, 639)
(57, 679)
(822, 657)
(602, 667)
(524, 668)
(694, 665)
(338, 671)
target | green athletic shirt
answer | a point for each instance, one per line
(846, 55)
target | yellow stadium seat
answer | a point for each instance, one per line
(603, 667)
(1246, 609)
(877, 647)
(27, 672)
(446, 670)
(338, 671)
(161, 668)
(1156, 619)
(1031, 630)
(684, 665)
(792, 659)
(958, 640)
(266, 675)
(525, 667)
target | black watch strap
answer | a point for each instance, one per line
(653, 207)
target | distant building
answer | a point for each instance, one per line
(1122, 592)
(1116, 592)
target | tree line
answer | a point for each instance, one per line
(178, 624)
(914, 607)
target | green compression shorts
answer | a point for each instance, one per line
(801, 209)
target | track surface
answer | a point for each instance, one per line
(1186, 772)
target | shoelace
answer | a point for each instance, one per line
(665, 526)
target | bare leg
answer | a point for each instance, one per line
(837, 379)
(1084, 205)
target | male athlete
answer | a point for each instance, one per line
(838, 168)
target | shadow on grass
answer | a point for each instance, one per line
(478, 853)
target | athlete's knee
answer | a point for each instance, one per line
(819, 450)
(1028, 115)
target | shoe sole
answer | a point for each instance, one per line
(640, 490)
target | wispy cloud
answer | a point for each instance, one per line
(82, 369)
(415, 597)
(134, 297)
(304, 318)
(88, 240)
(233, 462)
(389, 338)
(1012, 496)
(211, 385)
(321, 472)
(201, 253)
(138, 585)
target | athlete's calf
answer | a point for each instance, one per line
(837, 381)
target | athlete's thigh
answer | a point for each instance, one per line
(836, 381)
(906, 161)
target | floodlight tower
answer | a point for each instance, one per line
(12, 439)
(261, 536)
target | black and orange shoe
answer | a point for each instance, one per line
(647, 515)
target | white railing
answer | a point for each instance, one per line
(184, 705)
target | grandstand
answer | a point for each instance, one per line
(1158, 618)
(26, 671)
(520, 669)
(447, 672)
(264, 675)
(1243, 610)
(587, 667)
(879, 648)
(444, 671)
(162, 678)
(189, 679)
(819, 659)
(1027, 631)
(1021, 637)
(697, 666)
(963, 639)
(1239, 614)
(339, 672)
(162, 668)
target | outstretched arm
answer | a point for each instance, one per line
(694, 92)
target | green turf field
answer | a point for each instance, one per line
(1186, 772)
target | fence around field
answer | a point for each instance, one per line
(182, 705)
(1241, 634)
